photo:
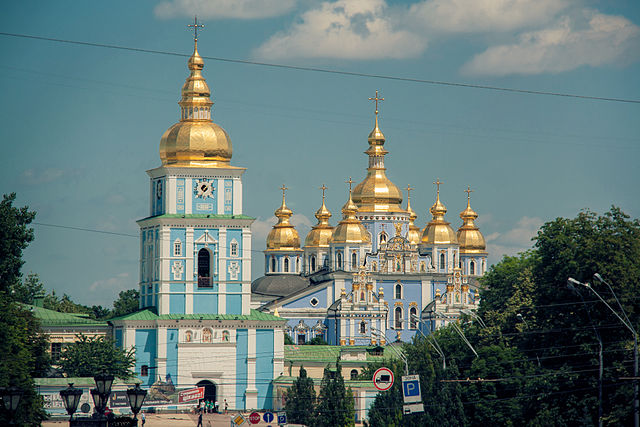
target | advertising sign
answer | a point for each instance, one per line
(191, 395)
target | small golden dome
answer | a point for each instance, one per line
(469, 236)
(438, 231)
(377, 193)
(350, 229)
(195, 141)
(414, 231)
(320, 234)
(283, 236)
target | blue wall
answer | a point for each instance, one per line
(172, 354)
(119, 338)
(242, 345)
(264, 367)
(234, 304)
(146, 347)
(205, 303)
(176, 303)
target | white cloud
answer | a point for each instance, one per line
(347, 29)
(221, 9)
(469, 16)
(116, 283)
(44, 176)
(516, 240)
(591, 38)
(260, 229)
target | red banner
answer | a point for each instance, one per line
(191, 394)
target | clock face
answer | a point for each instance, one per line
(204, 189)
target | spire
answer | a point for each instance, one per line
(438, 231)
(469, 235)
(320, 234)
(323, 213)
(283, 213)
(350, 229)
(438, 209)
(283, 236)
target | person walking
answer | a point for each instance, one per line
(144, 418)
(226, 406)
(200, 417)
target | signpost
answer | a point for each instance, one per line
(191, 394)
(282, 418)
(268, 417)
(383, 379)
(238, 420)
(411, 394)
(254, 418)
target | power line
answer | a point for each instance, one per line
(330, 71)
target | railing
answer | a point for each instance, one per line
(205, 282)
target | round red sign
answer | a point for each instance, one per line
(254, 418)
(383, 379)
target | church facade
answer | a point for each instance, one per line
(196, 326)
(375, 277)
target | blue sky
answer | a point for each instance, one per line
(81, 125)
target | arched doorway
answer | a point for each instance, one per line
(210, 390)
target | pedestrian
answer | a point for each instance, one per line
(215, 407)
(226, 406)
(144, 418)
(200, 418)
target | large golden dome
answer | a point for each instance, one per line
(469, 236)
(350, 229)
(438, 231)
(377, 193)
(413, 236)
(195, 141)
(283, 236)
(321, 233)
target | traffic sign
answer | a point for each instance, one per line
(254, 418)
(282, 417)
(268, 417)
(413, 407)
(239, 420)
(411, 389)
(383, 379)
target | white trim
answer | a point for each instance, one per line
(170, 195)
(220, 195)
(188, 196)
(237, 196)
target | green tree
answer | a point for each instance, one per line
(15, 236)
(88, 356)
(317, 341)
(27, 290)
(335, 403)
(128, 301)
(301, 400)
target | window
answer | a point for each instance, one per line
(398, 291)
(398, 318)
(339, 260)
(383, 237)
(286, 265)
(314, 301)
(297, 264)
(225, 336)
(204, 269)
(177, 248)
(312, 261)
(354, 374)
(234, 248)
(354, 260)
(442, 261)
(413, 312)
(454, 259)
(56, 351)
(472, 267)
(144, 371)
(273, 264)
(361, 295)
(188, 336)
(302, 338)
(206, 335)
(363, 327)
(423, 267)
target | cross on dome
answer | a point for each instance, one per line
(283, 188)
(324, 187)
(376, 99)
(195, 27)
(437, 182)
(349, 182)
(468, 191)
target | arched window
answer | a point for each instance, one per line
(234, 248)
(413, 312)
(472, 267)
(442, 261)
(312, 261)
(398, 291)
(144, 371)
(374, 266)
(354, 374)
(454, 259)
(383, 237)
(273, 264)
(398, 318)
(225, 336)
(354, 260)
(286, 265)
(207, 335)
(361, 295)
(363, 327)
(204, 269)
(188, 336)
(423, 267)
(339, 260)
(177, 248)
(297, 264)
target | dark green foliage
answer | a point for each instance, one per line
(15, 236)
(89, 356)
(127, 302)
(27, 290)
(288, 340)
(335, 403)
(300, 400)
(317, 341)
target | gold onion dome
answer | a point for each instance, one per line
(350, 229)
(377, 193)
(414, 231)
(195, 141)
(321, 233)
(469, 236)
(438, 231)
(283, 236)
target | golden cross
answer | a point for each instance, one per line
(468, 191)
(349, 182)
(376, 99)
(437, 182)
(195, 27)
(324, 187)
(409, 188)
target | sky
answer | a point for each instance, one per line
(81, 124)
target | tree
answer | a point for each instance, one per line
(317, 341)
(127, 302)
(15, 236)
(335, 403)
(301, 400)
(27, 290)
(288, 340)
(89, 356)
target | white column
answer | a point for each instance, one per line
(252, 391)
(129, 337)
(220, 189)
(188, 194)
(246, 271)
(425, 290)
(161, 359)
(188, 253)
(170, 197)
(237, 196)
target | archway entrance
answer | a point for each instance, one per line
(210, 391)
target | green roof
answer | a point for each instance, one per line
(330, 353)
(55, 318)
(148, 314)
(286, 380)
(198, 216)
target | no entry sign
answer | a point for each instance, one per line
(383, 379)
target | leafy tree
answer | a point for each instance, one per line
(15, 236)
(301, 400)
(127, 302)
(27, 290)
(88, 356)
(335, 403)
(288, 340)
(317, 341)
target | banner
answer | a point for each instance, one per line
(190, 395)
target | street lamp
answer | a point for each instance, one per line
(99, 401)
(434, 344)
(402, 356)
(11, 397)
(458, 331)
(627, 324)
(71, 397)
(136, 397)
(103, 383)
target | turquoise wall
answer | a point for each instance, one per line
(264, 367)
(172, 354)
(146, 348)
(242, 346)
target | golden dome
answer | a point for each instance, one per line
(414, 231)
(283, 236)
(350, 229)
(377, 193)
(438, 231)
(195, 141)
(321, 233)
(469, 236)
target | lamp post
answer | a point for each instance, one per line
(71, 397)
(136, 398)
(458, 331)
(434, 344)
(11, 398)
(402, 356)
(627, 324)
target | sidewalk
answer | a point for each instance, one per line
(177, 420)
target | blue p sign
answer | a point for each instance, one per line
(411, 388)
(282, 418)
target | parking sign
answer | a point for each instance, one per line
(411, 388)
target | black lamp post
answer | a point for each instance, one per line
(103, 383)
(99, 401)
(71, 398)
(136, 398)
(11, 398)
